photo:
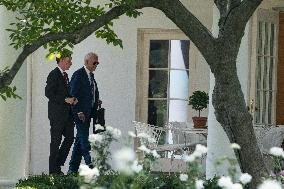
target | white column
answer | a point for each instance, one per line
(217, 141)
(12, 113)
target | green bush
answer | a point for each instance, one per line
(198, 100)
(49, 182)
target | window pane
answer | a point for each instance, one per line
(271, 74)
(157, 112)
(178, 110)
(180, 54)
(264, 92)
(158, 55)
(258, 88)
(264, 74)
(269, 121)
(260, 25)
(272, 46)
(158, 81)
(179, 84)
(266, 38)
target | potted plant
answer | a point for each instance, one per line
(199, 101)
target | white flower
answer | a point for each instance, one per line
(109, 128)
(88, 173)
(132, 134)
(125, 154)
(116, 133)
(199, 184)
(123, 160)
(270, 184)
(199, 150)
(225, 182)
(189, 158)
(99, 127)
(183, 177)
(235, 146)
(276, 151)
(237, 186)
(96, 138)
(144, 149)
(245, 178)
(155, 154)
(136, 167)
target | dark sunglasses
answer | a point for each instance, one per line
(96, 63)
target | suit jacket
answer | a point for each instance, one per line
(56, 91)
(80, 88)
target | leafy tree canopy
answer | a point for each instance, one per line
(37, 18)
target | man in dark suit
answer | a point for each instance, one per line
(59, 114)
(85, 89)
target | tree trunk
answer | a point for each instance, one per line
(231, 112)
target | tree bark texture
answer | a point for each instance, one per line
(231, 112)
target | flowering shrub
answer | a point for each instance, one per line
(100, 146)
(278, 157)
(49, 182)
(131, 173)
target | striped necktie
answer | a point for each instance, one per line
(65, 76)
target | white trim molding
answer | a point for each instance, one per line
(28, 115)
(7, 183)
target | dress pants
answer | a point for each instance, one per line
(81, 147)
(59, 151)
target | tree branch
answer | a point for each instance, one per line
(28, 49)
(74, 37)
(222, 6)
(238, 18)
(173, 9)
(194, 29)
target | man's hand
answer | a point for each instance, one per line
(81, 116)
(71, 100)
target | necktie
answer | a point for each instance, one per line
(65, 76)
(92, 86)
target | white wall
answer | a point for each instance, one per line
(12, 112)
(116, 77)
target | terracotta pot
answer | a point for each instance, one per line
(199, 122)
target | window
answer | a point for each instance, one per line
(163, 77)
(266, 59)
(264, 67)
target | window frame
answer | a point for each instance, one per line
(142, 66)
(262, 15)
